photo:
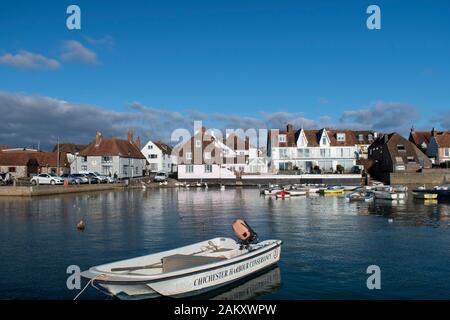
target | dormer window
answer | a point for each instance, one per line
(401, 147)
(360, 137)
(282, 138)
(370, 137)
(324, 140)
(340, 137)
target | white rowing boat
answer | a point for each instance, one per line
(189, 270)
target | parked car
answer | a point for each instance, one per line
(160, 177)
(92, 179)
(101, 177)
(46, 178)
(72, 179)
(81, 177)
(5, 178)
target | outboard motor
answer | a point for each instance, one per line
(244, 232)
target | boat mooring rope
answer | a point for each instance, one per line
(90, 282)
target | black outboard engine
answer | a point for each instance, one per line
(244, 232)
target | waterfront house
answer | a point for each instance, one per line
(393, 153)
(23, 162)
(439, 148)
(111, 156)
(205, 156)
(420, 138)
(323, 150)
(159, 157)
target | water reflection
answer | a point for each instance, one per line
(328, 242)
(263, 283)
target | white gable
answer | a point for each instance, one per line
(324, 139)
(302, 141)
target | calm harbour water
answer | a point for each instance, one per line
(328, 243)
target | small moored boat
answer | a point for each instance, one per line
(332, 190)
(425, 196)
(283, 194)
(189, 270)
(386, 193)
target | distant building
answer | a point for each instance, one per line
(111, 156)
(159, 157)
(21, 163)
(439, 147)
(325, 149)
(420, 138)
(393, 153)
(205, 156)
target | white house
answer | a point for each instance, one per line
(159, 157)
(326, 149)
(111, 156)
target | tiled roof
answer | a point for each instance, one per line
(419, 137)
(393, 140)
(313, 137)
(69, 147)
(166, 149)
(22, 158)
(113, 147)
(443, 140)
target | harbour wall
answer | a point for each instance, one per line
(433, 178)
(10, 191)
(254, 180)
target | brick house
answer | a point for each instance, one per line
(393, 153)
(205, 156)
(22, 163)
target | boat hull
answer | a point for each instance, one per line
(385, 195)
(198, 282)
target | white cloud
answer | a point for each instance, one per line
(74, 51)
(103, 41)
(382, 116)
(23, 122)
(29, 61)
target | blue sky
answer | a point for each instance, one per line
(227, 62)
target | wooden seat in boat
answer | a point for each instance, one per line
(181, 261)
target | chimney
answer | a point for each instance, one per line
(130, 135)
(138, 142)
(290, 128)
(98, 138)
(433, 132)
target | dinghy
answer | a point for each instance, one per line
(386, 193)
(296, 193)
(425, 196)
(187, 271)
(332, 190)
(283, 194)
